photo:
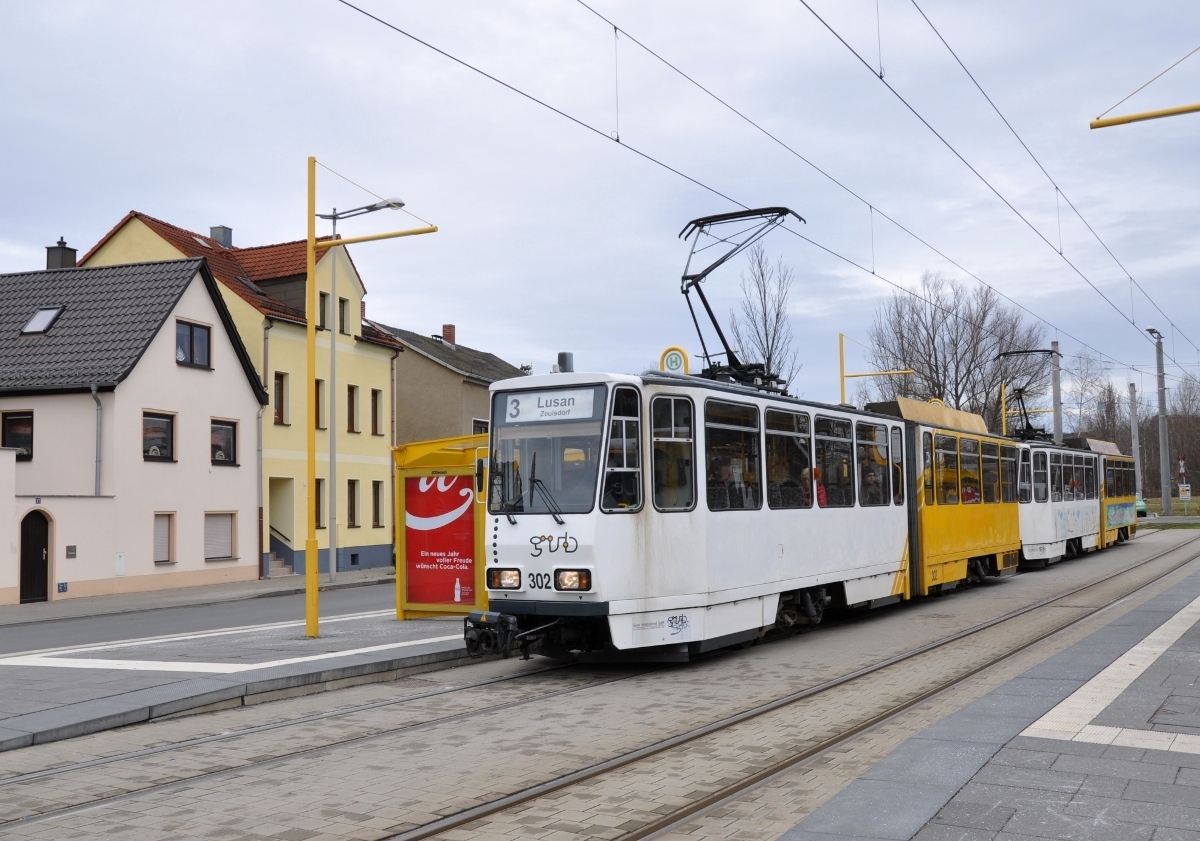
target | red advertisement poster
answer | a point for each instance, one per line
(439, 539)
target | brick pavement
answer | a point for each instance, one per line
(404, 779)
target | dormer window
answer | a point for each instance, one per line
(192, 342)
(42, 320)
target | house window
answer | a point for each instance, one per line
(352, 408)
(164, 528)
(218, 537)
(320, 404)
(376, 412)
(224, 443)
(377, 504)
(281, 397)
(479, 427)
(344, 316)
(158, 437)
(42, 320)
(323, 311)
(192, 344)
(352, 503)
(319, 515)
(18, 433)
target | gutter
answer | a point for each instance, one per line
(266, 371)
(99, 421)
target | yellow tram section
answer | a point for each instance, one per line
(966, 501)
(1118, 500)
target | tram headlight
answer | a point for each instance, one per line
(572, 579)
(504, 579)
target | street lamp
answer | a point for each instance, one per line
(1164, 457)
(311, 554)
(334, 329)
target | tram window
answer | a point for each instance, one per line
(872, 461)
(622, 489)
(834, 468)
(1008, 474)
(1076, 483)
(1040, 477)
(1056, 477)
(1089, 478)
(1024, 490)
(674, 446)
(927, 466)
(991, 471)
(789, 460)
(1110, 479)
(946, 478)
(968, 449)
(897, 467)
(731, 453)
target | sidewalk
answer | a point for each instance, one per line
(208, 594)
(1100, 741)
(58, 694)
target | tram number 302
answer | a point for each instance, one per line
(540, 580)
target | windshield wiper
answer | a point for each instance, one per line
(506, 506)
(535, 483)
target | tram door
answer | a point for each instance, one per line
(35, 557)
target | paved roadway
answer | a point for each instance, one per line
(92, 630)
(369, 761)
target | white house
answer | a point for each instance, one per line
(129, 414)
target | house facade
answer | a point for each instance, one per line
(129, 413)
(442, 386)
(264, 290)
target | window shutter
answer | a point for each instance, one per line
(218, 536)
(162, 538)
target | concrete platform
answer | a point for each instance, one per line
(61, 693)
(1099, 741)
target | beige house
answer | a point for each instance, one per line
(442, 386)
(129, 420)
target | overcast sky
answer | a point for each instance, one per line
(553, 237)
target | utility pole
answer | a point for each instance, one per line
(1133, 431)
(1056, 390)
(1164, 446)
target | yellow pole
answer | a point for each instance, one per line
(842, 365)
(311, 553)
(1143, 115)
(1003, 413)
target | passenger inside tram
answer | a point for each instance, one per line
(872, 493)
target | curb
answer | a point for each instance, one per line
(220, 691)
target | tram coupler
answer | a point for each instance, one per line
(489, 633)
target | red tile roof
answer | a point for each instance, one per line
(240, 268)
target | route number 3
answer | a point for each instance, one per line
(515, 405)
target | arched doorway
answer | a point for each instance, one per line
(35, 557)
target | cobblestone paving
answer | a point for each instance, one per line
(402, 780)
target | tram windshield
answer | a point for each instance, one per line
(545, 451)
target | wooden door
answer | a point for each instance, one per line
(35, 557)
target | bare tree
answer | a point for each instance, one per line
(952, 338)
(1085, 381)
(761, 330)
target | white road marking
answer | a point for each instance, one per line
(1072, 719)
(206, 668)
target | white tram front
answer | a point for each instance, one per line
(681, 514)
(1064, 517)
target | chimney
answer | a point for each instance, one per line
(448, 333)
(60, 256)
(222, 234)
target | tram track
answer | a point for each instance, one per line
(726, 792)
(591, 772)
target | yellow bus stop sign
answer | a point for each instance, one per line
(674, 360)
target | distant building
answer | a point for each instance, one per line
(264, 288)
(442, 386)
(129, 420)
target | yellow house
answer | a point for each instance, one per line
(264, 289)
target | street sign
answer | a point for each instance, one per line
(674, 360)
(1185, 493)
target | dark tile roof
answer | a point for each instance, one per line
(473, 363)
(110, 315)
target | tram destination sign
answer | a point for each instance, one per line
(531, 406)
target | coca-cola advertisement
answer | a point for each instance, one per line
(439, 539)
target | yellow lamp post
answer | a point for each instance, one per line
(311, 554)
(843, 376)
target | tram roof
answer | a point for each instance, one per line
(933, 414)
